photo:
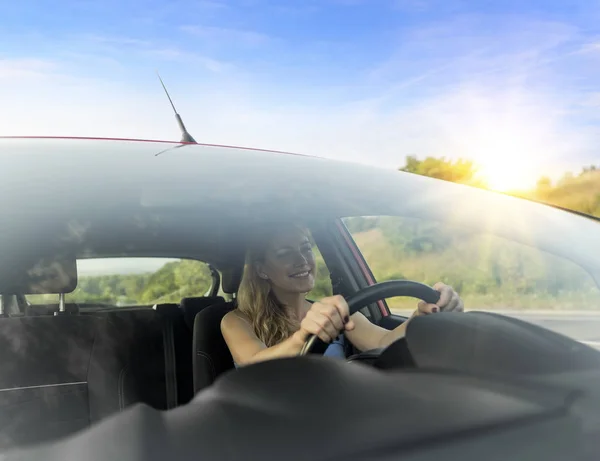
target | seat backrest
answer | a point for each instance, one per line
(183, 326)
(127, 364)
(172, 317)
(192, 306)
(60, 374)
(44, 377)
(211, 354)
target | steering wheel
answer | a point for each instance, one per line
(372, 294)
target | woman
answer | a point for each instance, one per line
(273, 319)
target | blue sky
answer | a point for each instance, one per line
(504, 83)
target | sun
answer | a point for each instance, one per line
(510, 145)
(505, 175)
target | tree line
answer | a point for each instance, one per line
(575, 191)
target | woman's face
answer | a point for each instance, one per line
(289, 262)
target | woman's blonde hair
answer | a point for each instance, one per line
(255, 298)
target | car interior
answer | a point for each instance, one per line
(67, 366)
(154, 382)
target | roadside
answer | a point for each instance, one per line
(583, 326)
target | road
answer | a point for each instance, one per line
(583, 326)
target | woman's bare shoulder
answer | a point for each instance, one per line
(235, 319)
(239, 335)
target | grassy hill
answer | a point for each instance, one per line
(580, 193)
(489, 272)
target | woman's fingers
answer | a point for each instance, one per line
(445, 294)
(312, 327)
(449, 301)
(332, 312)
(322, 325)
(424, 309)
(328, 317)
(336, 308)
(349, 325)
(453, 304)
(344, 311)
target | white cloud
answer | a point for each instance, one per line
(220, 34)
(115, 40)
(470, 47)
(26, 68)
(592, 47)
(181, 56)
(591, 99)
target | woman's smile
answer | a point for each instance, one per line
(301, 275)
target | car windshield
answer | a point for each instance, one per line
(115, 282)
(491, 273)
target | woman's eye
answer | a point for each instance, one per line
(304, 249)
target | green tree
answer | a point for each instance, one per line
(589, 169)
(460, 171)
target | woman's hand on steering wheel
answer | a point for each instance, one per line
(449, 301)
(326, 319)
(330, 316)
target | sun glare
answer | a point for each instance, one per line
(507, 160)
(505, 176)
(501, 178)
(509, 139)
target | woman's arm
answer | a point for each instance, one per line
(245, 347)
(366, 335)
(325, 319)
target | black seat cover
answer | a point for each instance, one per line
(192, 306)
(211, 354)
(44, 378)
(61, 374)
(180, 319)
(127, 363)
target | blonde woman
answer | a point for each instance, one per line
(273, 318)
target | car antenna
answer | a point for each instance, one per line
(185, 136)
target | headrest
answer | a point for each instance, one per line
(24, 274)
(191, 307)
(231, 278)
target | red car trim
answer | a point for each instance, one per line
(361, 262)
(154, 141)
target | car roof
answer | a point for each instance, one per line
(188, 200)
